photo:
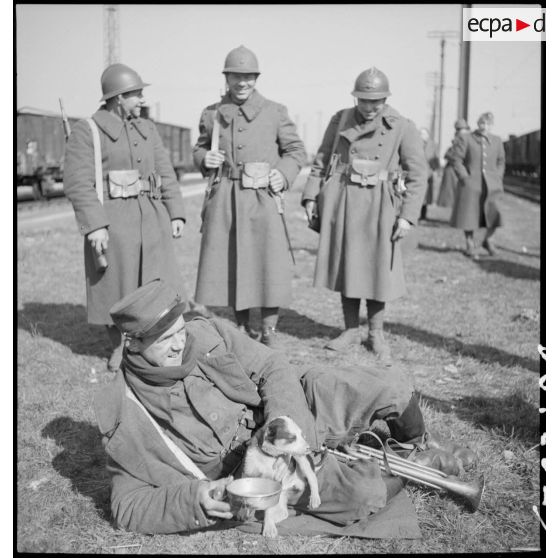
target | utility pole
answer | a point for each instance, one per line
(433, 79)
(442, 35)
(111, 33)
(463, 89)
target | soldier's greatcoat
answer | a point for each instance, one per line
(479, 162)
(356, 255)
(244, 256)
(449, 184)
(140, 238)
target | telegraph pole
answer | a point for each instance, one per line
(111, 33)
(442, 35)
(463, 89)
(433, 78)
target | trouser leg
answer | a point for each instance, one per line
(243, 322)
(409, 425)
(117, 346)
(376, 340)
(351, 335)
(487, 243)
(469, 244)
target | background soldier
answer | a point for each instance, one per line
(244, 255)
(356, 190)
(142, 207)
(433, 165)
(448, 186)
(479, 161)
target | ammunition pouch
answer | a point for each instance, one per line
(128, 184)
(365, 172)
(255, 175)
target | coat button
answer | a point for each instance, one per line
(196, 522)
(213, 416)
(241, 129)
(380, 144)
(135, 143)
(139, 159)
(376, 156)
(383, 132)
(239, 146)
(353, 150)
(239, 113)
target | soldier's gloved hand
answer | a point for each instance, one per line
(277, 181)
(311, 210)
(401, 229)
(177, 226)
(213, 159)
(210, 497)
(99, 240)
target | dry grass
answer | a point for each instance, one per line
(482, 318)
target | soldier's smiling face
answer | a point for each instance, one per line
(369, 108)
(167, 348)
(240, 86)
(132, 102)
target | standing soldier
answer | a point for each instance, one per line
(479, 161)
(249, 148)
(433, 165)
(448, 187)
(128, 229)
(357, 192)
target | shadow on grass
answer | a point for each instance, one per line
(508, 414)
(439, 249)
(509, 269)
(83, 459)
(66, 324)
(482, 353)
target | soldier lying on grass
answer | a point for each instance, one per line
(189, 395)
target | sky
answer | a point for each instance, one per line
(309, 57)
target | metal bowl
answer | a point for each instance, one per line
(253, 493)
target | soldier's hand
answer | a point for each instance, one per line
(311, 210)
(210, 496)
(99, 240)
(277, 181)
(177, 227)
(401, 229)
(213, 159)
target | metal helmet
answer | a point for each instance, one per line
(371, 84)
(461, 123)
(119, 78)
(241, 61)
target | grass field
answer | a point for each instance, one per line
(467, 333)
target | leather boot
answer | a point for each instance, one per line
(117, 346)
(351, 336)
(270, 316)
(242, 321)
(376, 340)
(409, 426)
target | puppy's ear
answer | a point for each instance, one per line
(270, 433)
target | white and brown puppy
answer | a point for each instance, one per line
(280, 452)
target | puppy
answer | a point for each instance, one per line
(280, 452)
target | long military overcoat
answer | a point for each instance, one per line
(140, 238)
(449, 183)
(479, 162)
(244, 255)
(356, 255)
(433, 164)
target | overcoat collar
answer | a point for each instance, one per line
(478, 136)
(358, 127)
(112, 125)
(250, 108)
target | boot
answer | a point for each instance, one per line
(351, 336)
(423, 211)
(242, 320)
(117, 346)
(376, 341)
(469, 245)
(487, 243)
(269, 338)
(409, 426)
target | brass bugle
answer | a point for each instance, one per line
(471, 492)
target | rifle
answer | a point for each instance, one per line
(214, 176)
(65, 121)
(279, 200)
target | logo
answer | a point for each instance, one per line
(504, 24)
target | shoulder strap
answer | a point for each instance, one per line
(184, 460)
(98, 161)
(342, 120)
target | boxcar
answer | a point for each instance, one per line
(523, 155)
(40, 151)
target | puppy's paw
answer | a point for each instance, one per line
(269, 529)
(315, 501)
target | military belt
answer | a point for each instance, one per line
(232, 173)
(134, 190)
(346, 169)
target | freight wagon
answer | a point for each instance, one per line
(40, 151)
(523, 155)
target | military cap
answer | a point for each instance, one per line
(461, 123)
(148, 311)
(486, 117)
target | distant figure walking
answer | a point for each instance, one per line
(433, 165)
(449, 183)
(364, 194)
(129, 223)
(479, 162)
